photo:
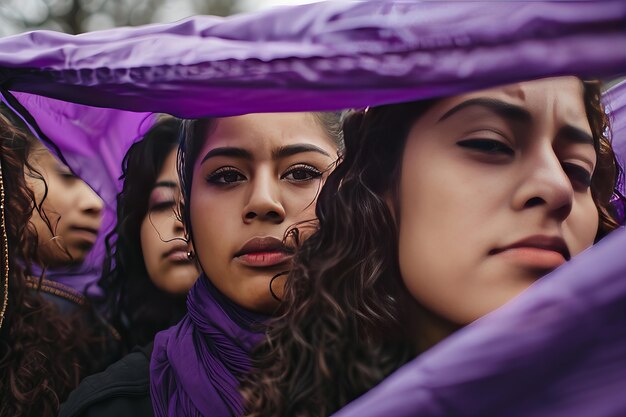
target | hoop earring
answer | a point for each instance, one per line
(191, 255)
(274, 296)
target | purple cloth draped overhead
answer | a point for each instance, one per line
(557, 350)
(195, 364)
(93, 142)
(321, 56)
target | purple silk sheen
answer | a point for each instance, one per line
(557, 350)
(196, 363)
(92, 141)
(320, 56)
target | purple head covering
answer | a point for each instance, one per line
(195, 364)
(92, 142)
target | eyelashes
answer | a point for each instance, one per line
(487, 146)
(301, 173)
(225, 176)
(162, 206)
(579, 176)
(229, 175)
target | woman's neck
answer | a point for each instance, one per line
(428, 328)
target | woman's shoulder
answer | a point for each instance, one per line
(123, 389)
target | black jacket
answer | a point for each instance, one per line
(122, 390)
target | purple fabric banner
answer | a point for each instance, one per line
(321, 56)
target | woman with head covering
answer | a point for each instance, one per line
(148, 271)
(246, 180)
(147, 276)
(46, 345)
(460, 204)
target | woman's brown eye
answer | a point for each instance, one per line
(302, 173)
(225, 176)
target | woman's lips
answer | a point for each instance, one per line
(537, 252)
(177, 254)
(536, 258)
(264, 259)
(260, 252)
(85, 234)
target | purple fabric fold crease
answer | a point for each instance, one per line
(320, 56)
(557, 350)
(196, 364)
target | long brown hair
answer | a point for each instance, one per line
(42, 353)
(341, 330)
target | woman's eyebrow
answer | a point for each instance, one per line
(167, 184)
(227, 151)
(576, 135)
(289, 150)
(506, 110)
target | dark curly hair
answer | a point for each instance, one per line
(341, 329)
(137, 307)
(43, 353)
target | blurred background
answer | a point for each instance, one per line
(78, 16)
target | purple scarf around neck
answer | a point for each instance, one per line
(196, 364)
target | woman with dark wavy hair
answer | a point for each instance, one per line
(147, 272)
(44, 351)
(246, 179)
(440, 212)
(147, 275)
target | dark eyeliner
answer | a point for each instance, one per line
(488, 146)
(310, 170)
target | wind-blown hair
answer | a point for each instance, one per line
(137, 307)
(342, 326)
(43, 354)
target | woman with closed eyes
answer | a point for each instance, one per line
(246, 181)
(149, 272)
(459, 204)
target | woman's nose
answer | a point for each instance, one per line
(546, 186)
(264, 202)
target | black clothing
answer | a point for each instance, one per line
(122, 390)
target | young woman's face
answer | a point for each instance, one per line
(162, 235)
(74, 211)
(494, 193)
(255, 176)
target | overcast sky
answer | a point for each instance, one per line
(13, 13)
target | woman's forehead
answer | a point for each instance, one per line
(559, 97)
(265, 131)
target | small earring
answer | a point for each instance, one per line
(190, 255)
(274, 296)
